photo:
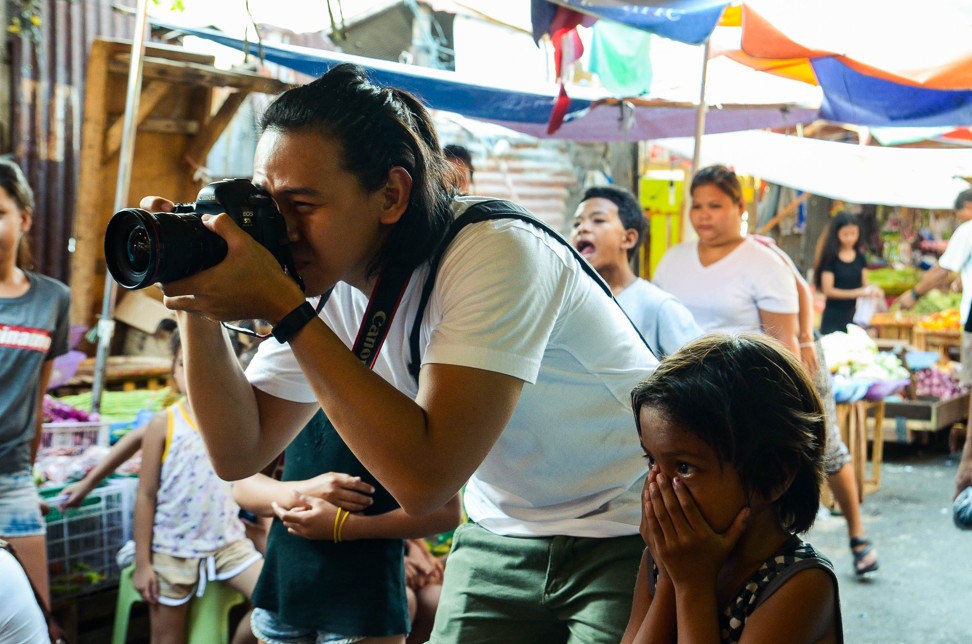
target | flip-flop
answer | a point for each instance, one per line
(860, 548)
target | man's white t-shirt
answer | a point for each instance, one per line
(958, 257)
(728, 295)
(664, 322)
(510, 298)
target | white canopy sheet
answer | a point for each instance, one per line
(914, 177)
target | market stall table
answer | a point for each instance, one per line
(853, 420)
(926, 414)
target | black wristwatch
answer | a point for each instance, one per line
(915, 294)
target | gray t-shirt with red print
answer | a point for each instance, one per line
(33, 329)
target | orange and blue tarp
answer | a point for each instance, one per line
(856, 54)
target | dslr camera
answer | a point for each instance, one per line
(142, 247)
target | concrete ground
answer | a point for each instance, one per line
(922, 592)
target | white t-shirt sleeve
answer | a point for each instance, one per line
(275, 370)
(676, 326)
(776, 290)
(497, 296)
(957, 252)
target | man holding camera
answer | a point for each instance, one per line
(519, 383)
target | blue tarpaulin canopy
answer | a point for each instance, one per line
(688, 21)
(438, 88)
(852, 97)
(527, 110)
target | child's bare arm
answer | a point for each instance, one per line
(801, 610)
(120, 452)
(256, 493)
(153, 445)
(316, 519)
(397, 524)
(343, 490)
(652, 615)
(640, 604)
(259, 492)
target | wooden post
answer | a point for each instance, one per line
(85, 287)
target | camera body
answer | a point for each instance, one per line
(142, 247)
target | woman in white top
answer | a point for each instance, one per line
(729, 282)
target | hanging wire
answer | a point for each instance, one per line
(337, 32)
(246, 43)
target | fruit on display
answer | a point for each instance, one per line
(947, 320)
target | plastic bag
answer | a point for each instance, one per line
(867, 307)
(962, 509)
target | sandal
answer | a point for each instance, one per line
(861, 547)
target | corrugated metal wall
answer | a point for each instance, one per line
(47, 97)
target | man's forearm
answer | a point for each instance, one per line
(934, 277)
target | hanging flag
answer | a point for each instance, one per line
(690, 22)
(620, 56)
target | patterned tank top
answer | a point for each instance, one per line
(195, 514)
(793, 557)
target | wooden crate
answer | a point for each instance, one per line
(942, 341)
(924, 415)
(894, 326)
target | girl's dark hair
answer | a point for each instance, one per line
(377, 128)
(629, 210)
(752, 402)
(722, 178)
(831, 242)
(12, 180)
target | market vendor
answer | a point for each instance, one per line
(956, 258)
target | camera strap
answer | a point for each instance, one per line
(384, 301)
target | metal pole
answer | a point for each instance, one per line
(700, 112)
(106, 324)
(697, 148)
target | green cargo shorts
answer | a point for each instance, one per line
(536, 589)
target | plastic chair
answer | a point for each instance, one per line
(208, 620)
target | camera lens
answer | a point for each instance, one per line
(139, 250)
(142, 248)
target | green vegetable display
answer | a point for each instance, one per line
(893, 281)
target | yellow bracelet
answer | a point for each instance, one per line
(337, 523)
(343, 521)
